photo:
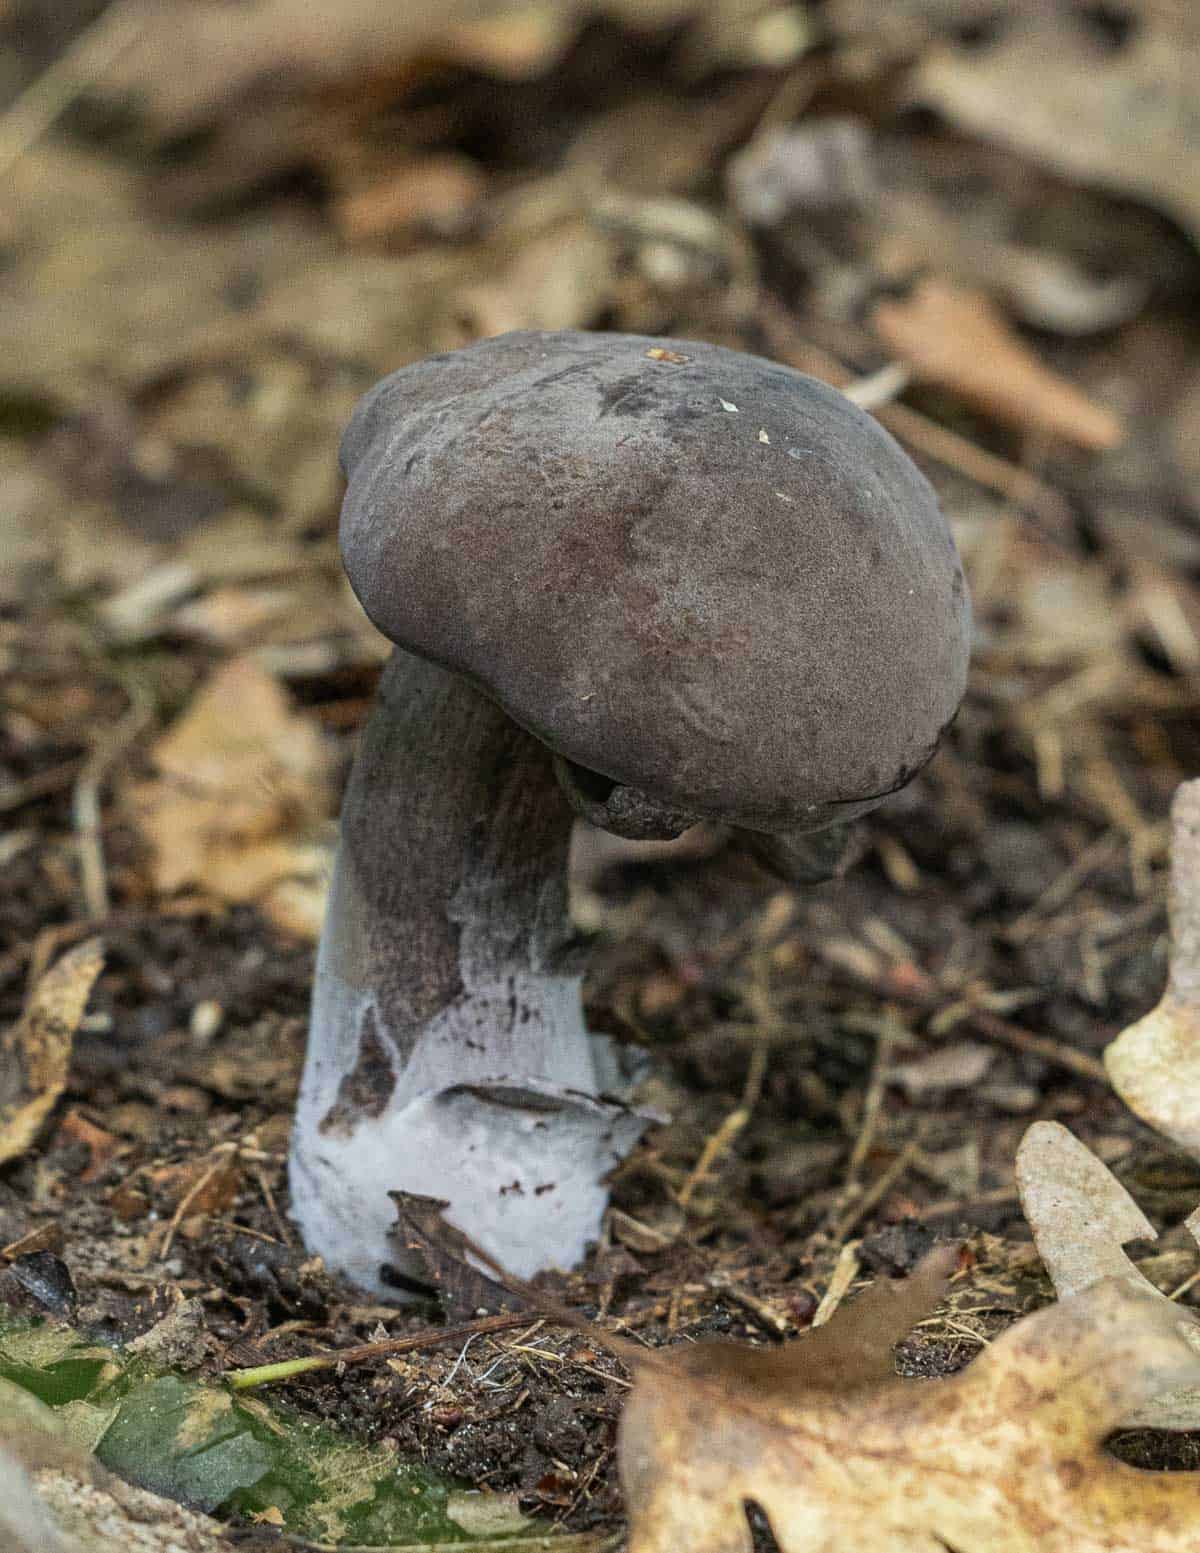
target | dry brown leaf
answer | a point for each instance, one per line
(195, 58)
(1081, 1217)
(102, 1147)
(1005, 1457)
(957, 339)
(243, 783)
(436, 196)
(134, 322)
(35, 1053)
(206, 1185)
(1154, 1065)
(1125, 119)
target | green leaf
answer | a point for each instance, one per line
(218, 1451)
(54, 1363)
(187, 1441)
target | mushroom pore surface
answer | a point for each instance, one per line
(692, 572)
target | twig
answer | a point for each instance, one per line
(52, 93)
(1101, 852)
(987, 1023)
(719, 1142)
(93, 876)
(851, 1202)
(1021, 1040)
(552, 1542)
(1187, 1284)
(223, 1153)
(244, 1229)
(85, 805)
(722, 1139)
(264, 1187)
(37, 954)
(763, 1314)
(886, 1033)
(581, 1493)
(878, 388)
(766, 929)
(432, 1337)
(876, 1192)
(845, 1271)
(948, 1207)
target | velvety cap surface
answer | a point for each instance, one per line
(689, 570)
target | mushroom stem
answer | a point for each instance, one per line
(447, 1052)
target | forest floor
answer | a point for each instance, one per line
(203, 270)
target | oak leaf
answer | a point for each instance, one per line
(191, 60)
(841, 1454)
(1082, 1217)
(1154, 1064)
(241, 792)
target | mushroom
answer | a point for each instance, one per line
(668, 580)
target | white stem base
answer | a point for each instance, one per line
(520, 1157)
(526, 1166)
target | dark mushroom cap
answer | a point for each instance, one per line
(692, 572)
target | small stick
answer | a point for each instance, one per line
(722, 1139)
(85, 807)
(551, 1542)
(223, 1151)
(287, 1369)
(1007, 1034)
(845, 1271)
(876, 1192)
(851, 1201)
(716, 1144)
(85, 812)
(877, 389)
(37, 954)
(1101, 851)
(998, 1197)
(46, 99)
(764, 1315)
(14, 795)
(264, 1187)
(873, 1100)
